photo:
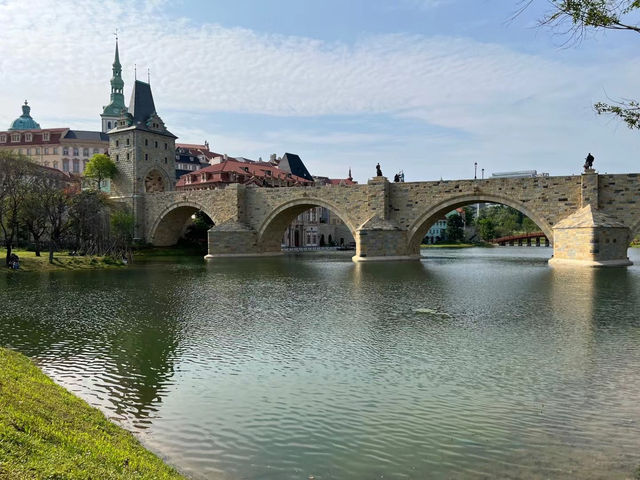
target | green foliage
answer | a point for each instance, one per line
(455, 228)
(486, 229)
(100, 167)
(501, 221)
(469, 215)
(574, 18)
(122, 226)
(46, 432)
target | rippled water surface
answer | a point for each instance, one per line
(478, 363)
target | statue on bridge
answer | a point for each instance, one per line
(378, 170)
(588, 162)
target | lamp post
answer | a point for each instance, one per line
(475, 170)
(483, 174)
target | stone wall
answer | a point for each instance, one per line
(390, 219)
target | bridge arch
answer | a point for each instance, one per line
(170, 224)
(274, 225)
(418, 229)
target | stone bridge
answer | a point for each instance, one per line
(590, 218)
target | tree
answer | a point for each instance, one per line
(122, 223)
(33, 213)
(89, 221)
(455, 231)
(574, 18)
(16, 173)
(486, 229)
(56, 203)
(99, 168)
(469, 215)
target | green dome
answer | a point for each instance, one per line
(24, 121)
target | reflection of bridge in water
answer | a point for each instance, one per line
(590, 219)
(532, 238)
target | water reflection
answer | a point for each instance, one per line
(463, 365)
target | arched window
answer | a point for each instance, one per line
(109, 125)
(76, 165)
(65, 164)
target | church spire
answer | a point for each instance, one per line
(111, 112)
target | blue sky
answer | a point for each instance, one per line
(426, 86)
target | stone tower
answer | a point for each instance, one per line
(111, 113)
(144, 153)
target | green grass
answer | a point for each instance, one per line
(61, 262)
(48, 433)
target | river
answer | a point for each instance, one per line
(474, 363)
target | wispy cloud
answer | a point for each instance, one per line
(488, 91)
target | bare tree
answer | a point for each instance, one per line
(16, 173)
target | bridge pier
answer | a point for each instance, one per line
(381, 241)
(590, 238)
(234, 239)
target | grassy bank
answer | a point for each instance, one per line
(48, 433)
(61, 261)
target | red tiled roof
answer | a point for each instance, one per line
(55, 135)
(228, 171)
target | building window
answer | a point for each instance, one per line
(3, 139)
(55, 165)
(146, 142)
(117, 143)
(165, 160)
(117, 158)
(127, 141)
(76, 152)
(109, 125)
(21, 151)
(146, 156)
(165, 145)
(37, 150)
(127, 155)
(46, 150)
(85, 152)
(15, 137)
(65, 164)
(95, 150)
(55, 150)
(28, 151)
(28, 137)
(45, 136)
(65, 151)
(156, 144)
(76, 165)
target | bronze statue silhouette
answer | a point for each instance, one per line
(378, 170)
(588, 162)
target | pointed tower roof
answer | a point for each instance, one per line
(141, 104)
(117, 86)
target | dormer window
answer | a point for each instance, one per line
(45, 137)
(15, 137)
(267, 173)
(28, 137)
(246, 169)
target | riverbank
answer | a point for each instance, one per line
(47, 432)
(61, 262)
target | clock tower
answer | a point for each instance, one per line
(144, 152)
